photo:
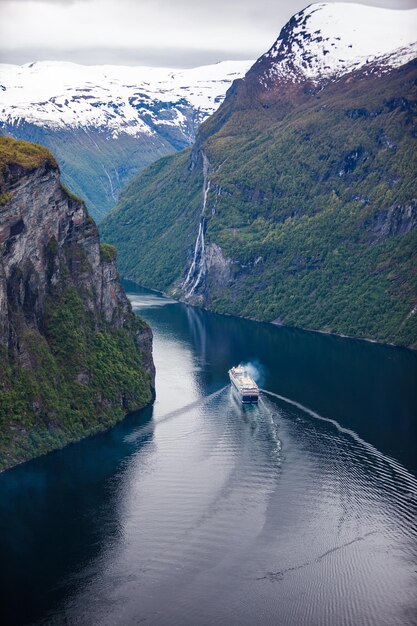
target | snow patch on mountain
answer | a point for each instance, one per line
(132, 100)
(325, 41)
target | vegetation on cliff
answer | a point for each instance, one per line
(107, 252)
(23, 154)
(81, 380)
(74, 359)
(312, 202)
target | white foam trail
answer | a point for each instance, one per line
(171, 415)
(395, 466)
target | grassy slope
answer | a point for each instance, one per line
(298, 189)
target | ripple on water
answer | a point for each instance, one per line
(359, 524)
(256, 514)
(214, 513)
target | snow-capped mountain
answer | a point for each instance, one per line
(298, 198)
(325, 41)
(117, 99)
(104, 123)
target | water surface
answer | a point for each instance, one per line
(300, 511)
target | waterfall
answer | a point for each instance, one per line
(196, 251)
(206, 190)
(111, 183)
(198, 265)
(202, 262)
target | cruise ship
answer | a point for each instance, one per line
(244, 384)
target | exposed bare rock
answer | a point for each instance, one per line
(74, 357)
(399, 219)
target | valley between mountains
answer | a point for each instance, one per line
(296, 204)
(105, 123)
(202, 458)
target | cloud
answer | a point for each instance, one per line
(179, 33)
(150, 56)
(44, 1)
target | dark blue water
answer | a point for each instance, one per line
(301, 511)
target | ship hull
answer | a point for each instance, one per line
(246, 396)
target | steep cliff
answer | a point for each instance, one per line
(74, 358)
(297, 203)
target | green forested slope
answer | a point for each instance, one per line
(312, 202)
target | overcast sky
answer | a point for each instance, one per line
(173, 33)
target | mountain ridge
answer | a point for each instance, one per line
(104, 123)
(115, 98)
(296, 204)
(326, 40)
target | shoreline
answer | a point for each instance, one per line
(253, 319)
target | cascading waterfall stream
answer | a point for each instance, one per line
(112, 190)
(198, 265)
(196, 252)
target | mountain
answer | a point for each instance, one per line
(297, 203)
(74, 358)
(104, 123)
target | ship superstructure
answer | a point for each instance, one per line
(244, 384)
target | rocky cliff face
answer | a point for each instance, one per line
(68, 336)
